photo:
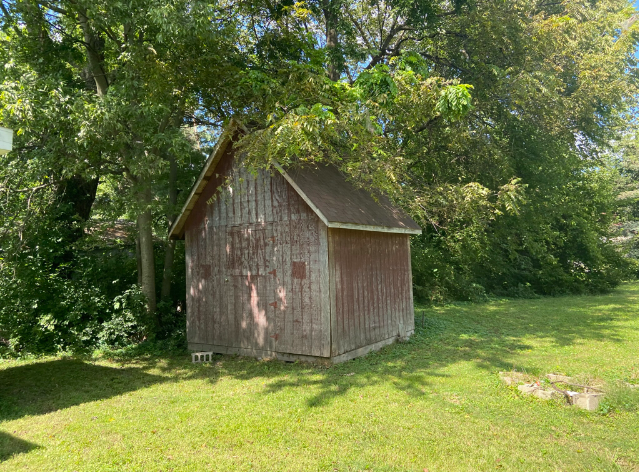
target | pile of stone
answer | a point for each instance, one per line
(582, 396)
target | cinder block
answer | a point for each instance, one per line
(587, 401)
(198, 357)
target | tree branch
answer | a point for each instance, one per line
(112, 37)
(9, 18)
(427, 125)
(59, 10)
(28, 189)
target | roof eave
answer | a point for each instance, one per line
(378, 229)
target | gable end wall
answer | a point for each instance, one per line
(257, 268)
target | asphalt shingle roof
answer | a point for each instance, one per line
(341, 202)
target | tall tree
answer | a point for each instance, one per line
(134, 72)
(479, 117)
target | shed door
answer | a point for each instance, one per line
(275, 287)
(248, 264)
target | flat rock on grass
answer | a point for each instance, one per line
(584, 400)
(536, 390)
(514, 378)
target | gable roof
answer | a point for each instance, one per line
(325, 189)
(341, 205)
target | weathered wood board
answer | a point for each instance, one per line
(256, 256)
(371, 286)
(293, 269)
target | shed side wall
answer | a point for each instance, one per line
(371, 288)
(257, 266)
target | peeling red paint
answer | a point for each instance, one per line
(299, 270)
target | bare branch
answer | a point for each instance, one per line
(29, 189)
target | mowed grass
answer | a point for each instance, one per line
(434, 403)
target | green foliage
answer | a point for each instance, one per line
(377, 84)
(487, 123)
(97, 93)
(42, 311)
(620, 398)
(59, 298)
(455, 101)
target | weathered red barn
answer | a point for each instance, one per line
(292, 265)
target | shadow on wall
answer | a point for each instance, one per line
(40, 388)
(10, 446)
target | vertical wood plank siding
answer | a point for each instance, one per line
(257, 266)
(371, 287)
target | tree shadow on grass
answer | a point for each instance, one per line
(10, 446)
(491, 335)
(43, 387)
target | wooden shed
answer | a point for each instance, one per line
(292, 265)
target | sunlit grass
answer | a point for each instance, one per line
(434, 403)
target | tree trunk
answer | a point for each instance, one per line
(147, 262)
(330, 9)
(138, 258)
(94, 47)
(167, 275)
(169, 253)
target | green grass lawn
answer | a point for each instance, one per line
(433, 403)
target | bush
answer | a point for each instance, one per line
(56, 296)
(42, 311)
